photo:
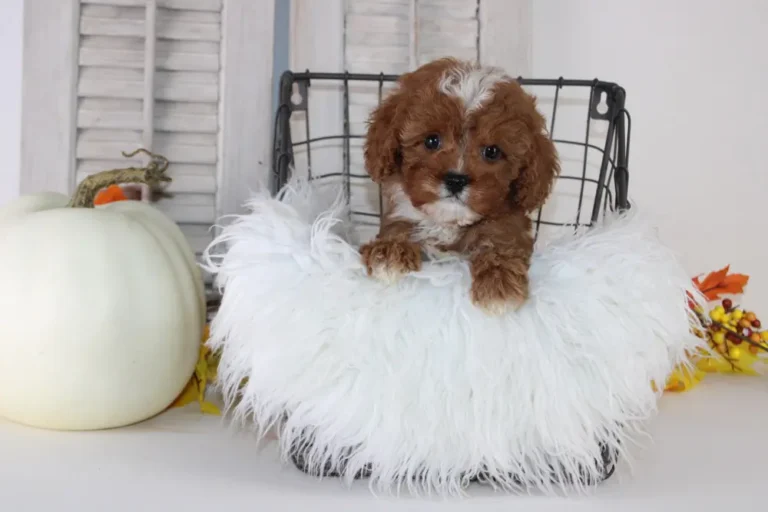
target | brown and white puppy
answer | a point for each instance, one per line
(462, 155)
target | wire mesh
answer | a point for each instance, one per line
(326, 112)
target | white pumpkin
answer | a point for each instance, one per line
(101, 313)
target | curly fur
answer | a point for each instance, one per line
(467, 108)
(411, 384)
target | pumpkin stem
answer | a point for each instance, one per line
(153, 174)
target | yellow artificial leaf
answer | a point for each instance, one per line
(730, 333)
(683, 378)
(187, 396)
(205, 371)
(209, 408)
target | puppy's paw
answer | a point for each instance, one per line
(388, 261)
(498, 289)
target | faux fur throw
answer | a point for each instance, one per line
(412, 383)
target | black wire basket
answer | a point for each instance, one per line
(587, 120)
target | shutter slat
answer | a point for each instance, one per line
(89, 12)
(460, 53)
(137, 3)
(169, 85)
(184, 148)
(98, 113)
(447, 9)
(376, 24)
(377, 53)
(189, 208)
(360, 66)
(123, 22)
(137, 44)
(192, 5)
(374, 7)
(190, 148)
(193, 31)
(373, 39)
(170, 56)
(199, 236)
(188, 16)
(448, 27)
(434, 41)
(106, 119)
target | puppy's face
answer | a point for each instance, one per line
(462, 143)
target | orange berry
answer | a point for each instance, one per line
(750, 316)
(111, 194)
(753, 349)
(745, 323)
(755, 338)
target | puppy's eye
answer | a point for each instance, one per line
(432, 142)
(492, 153)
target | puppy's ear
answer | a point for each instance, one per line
(382, 150)
(531, 189)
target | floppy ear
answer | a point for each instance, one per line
(382, 150)
(532, 187)
(382, 144)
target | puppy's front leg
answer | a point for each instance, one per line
(392, 254)
(500, 255)
(499, 281)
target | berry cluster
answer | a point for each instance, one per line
(731, 327)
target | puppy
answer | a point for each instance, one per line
(462, 156)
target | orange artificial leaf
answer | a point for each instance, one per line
(714, 278)
(109, 195)
(720, 282)
(736, 280)
(714, 293)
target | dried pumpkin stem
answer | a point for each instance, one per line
(153, 175)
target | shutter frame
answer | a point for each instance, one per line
(48, 92)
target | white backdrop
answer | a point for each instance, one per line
(695, 76)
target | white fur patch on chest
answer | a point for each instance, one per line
(440, 224)
(473, 85)
(435, 235)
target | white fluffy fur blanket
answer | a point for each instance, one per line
(417, 382)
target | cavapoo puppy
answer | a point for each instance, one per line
(462, 156)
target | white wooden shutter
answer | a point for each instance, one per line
(149, 76)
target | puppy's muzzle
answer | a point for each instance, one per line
(455, 182)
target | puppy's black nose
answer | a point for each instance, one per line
(455, 182)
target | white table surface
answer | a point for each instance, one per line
(709, 452)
